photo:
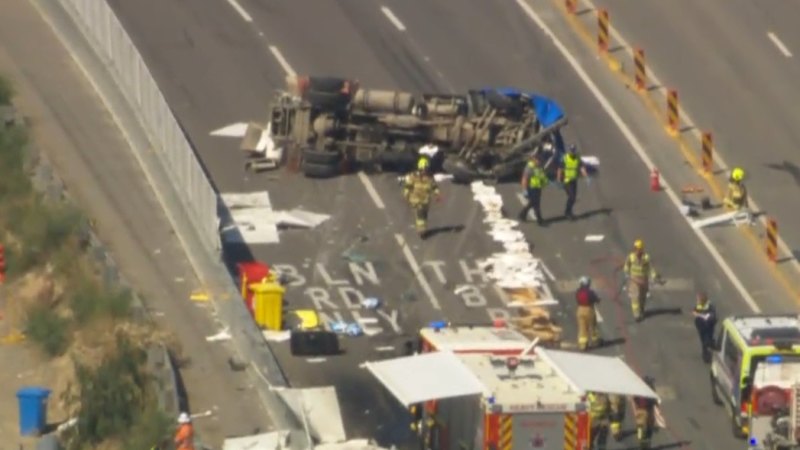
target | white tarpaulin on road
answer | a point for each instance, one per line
(430, 376)
(250, 218)
(593, 373)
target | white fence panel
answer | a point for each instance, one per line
(107, 36)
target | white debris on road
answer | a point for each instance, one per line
(515, 267)
(223, 335)
(594, 238)
(250, 218)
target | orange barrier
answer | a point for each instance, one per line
(572, 6)
(640, 74)
(602, 30)
(673, 120)
(772, 240)
(708, 153)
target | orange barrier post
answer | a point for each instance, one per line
(572, 6)
(772, 240)
(641, 73)
(2, 264)
(602, 30)
(673, 120)
(708, 153)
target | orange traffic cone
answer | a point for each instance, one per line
(655, 180)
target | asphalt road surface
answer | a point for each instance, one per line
(735, 64)
(217, 65)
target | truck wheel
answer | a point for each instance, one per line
(508, 171)
(312, 170)
(326, 84)
(461, 172)
(715, 391)
(322, 157)
(737, 428)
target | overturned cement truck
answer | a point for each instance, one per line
(325, 126)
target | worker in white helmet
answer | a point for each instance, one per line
(736, 195)
(184, 435)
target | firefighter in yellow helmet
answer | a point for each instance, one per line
(419, 189)
(616, 415)
(598, 417)
(736, 195)
(638, 273)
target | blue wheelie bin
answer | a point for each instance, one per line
(32, 410)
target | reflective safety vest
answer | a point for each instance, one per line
(598, 406)
(537, 179)
(638, 268)
(736, 191)
(571, 165)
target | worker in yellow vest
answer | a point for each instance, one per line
(736, 195)
(571, 168)
(638, 273)
(419, 190)
(534, 179)
(598, 416)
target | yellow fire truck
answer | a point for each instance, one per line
(495, 402)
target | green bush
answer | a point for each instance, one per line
(15, 182)
(42, 229)
(89, 300)
(111, 397)
(6, 91)
(48, 329)
(152, 427)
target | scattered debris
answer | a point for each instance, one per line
(14, 337)
(179, 279)
(316, 360)
(349, 329)
(199, 296)
(439, 177)
(691, 189)
(735, 217)
(385, 348)
(157, 251)
(250, 218)
(461, 289)
(236, 365)
(235, 130)
(207, 413)
(223, 335)
(66, 425)
(277, 336)
(592, 161)
(370, 303)
(594, 238)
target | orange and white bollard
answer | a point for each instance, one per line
(772, 240)
(708, 153)
(640, 72)
(673, 119)
(602, 31)
(655, 180)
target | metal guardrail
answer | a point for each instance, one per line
(187, 180)
(113, 46)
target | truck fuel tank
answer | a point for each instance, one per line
(380, 101)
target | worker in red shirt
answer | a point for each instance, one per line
(184, 435)
(587, 300)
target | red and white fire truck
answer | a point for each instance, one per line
(496, 402)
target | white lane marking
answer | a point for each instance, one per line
(373, 193)
(637, 146)
(417, 272)
(240, 10)
(392, 18)
(282, 61)
(778, 43)
(719, 161)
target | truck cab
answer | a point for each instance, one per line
(741, 376)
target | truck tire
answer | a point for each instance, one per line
(398, 160)
(715, 391)
(328, 101)
(508, 170)
(312, 170)
(322, 157)
(460, 171)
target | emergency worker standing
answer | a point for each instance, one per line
(616, 405)
(598, 415)
(184, 435)
(419, 189)
(638, 273)
(534, 179)
(586, 315)
(705, 319)
(569, 171)
(736, 195)
(645, 417)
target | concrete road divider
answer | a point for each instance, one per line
(673, 118)
(640, 74)
(708, 153)
(772, 240)
(602, 30)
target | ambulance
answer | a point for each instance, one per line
(499, 402)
